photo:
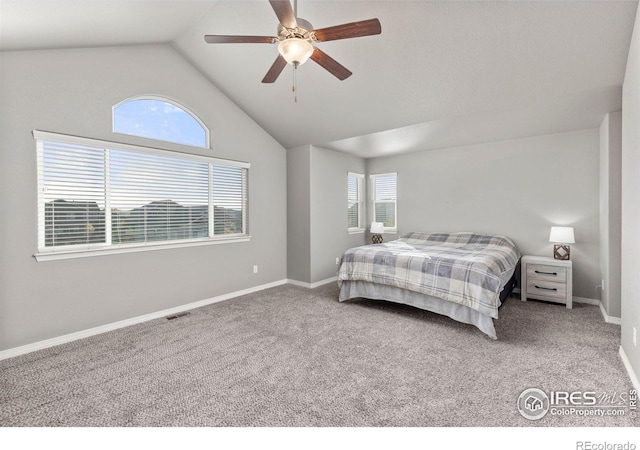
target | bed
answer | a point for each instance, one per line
(465, 276)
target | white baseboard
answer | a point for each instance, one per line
(313, 285)
(299, 283)
(17, 351)
(588, 301)
(608, 318)
(592, 301)
(630, 372)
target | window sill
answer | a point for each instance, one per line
(356, 230)
(112, 250)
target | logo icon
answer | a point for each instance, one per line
(533, 404)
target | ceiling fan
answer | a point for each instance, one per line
(296, 38)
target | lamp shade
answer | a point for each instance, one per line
(295, 51)
(562, 235)
(377, 227)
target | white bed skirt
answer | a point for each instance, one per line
(461, 313)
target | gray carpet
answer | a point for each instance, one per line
(290, 356)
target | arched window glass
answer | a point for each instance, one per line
(159, 119)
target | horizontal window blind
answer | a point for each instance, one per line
(384, 188)
(229, 202)
(157, 198)
(73, 201)
(354, 200)
(97, 196)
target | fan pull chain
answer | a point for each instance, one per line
(293, 88)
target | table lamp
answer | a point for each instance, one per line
(377, 228)
(561, 237)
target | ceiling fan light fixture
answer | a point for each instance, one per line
(296, 38)
(295, 51)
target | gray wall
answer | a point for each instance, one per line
(329, 235)
(518, 188)
(72, 92)
(299, 214)
(317, 211)
(610, 210)
(630, 196)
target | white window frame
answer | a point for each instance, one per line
(361, 200)
(372, 189)
(83, 250)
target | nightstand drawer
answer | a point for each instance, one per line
(546, 273)
(546, 289)
(547, 279)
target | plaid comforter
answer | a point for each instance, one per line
(464, 268)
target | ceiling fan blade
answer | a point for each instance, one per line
(219, 39)
(285, 14)
(275, 70)
(349, 30)
(333, 66)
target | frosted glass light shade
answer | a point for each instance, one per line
(562, 235)
(377, 227)
(295, 51)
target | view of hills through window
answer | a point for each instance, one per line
(77, 222)
(102, 196)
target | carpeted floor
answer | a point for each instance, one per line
(290, 356)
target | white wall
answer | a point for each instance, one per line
(610, 210)
(518, 188)
(72, 92)
(631, 201)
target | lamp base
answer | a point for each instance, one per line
(376, 238)
(561, 251)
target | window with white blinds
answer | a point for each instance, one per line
(71, 181)
(385, 205)
(99, 195)
(354, 202)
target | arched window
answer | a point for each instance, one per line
(160, 119)
(97, 197)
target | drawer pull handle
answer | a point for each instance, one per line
(546, 288)
(546, 273)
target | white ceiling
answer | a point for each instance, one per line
(441, 74)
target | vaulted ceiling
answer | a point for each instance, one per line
(441, 74)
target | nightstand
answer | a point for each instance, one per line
(547, 279)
